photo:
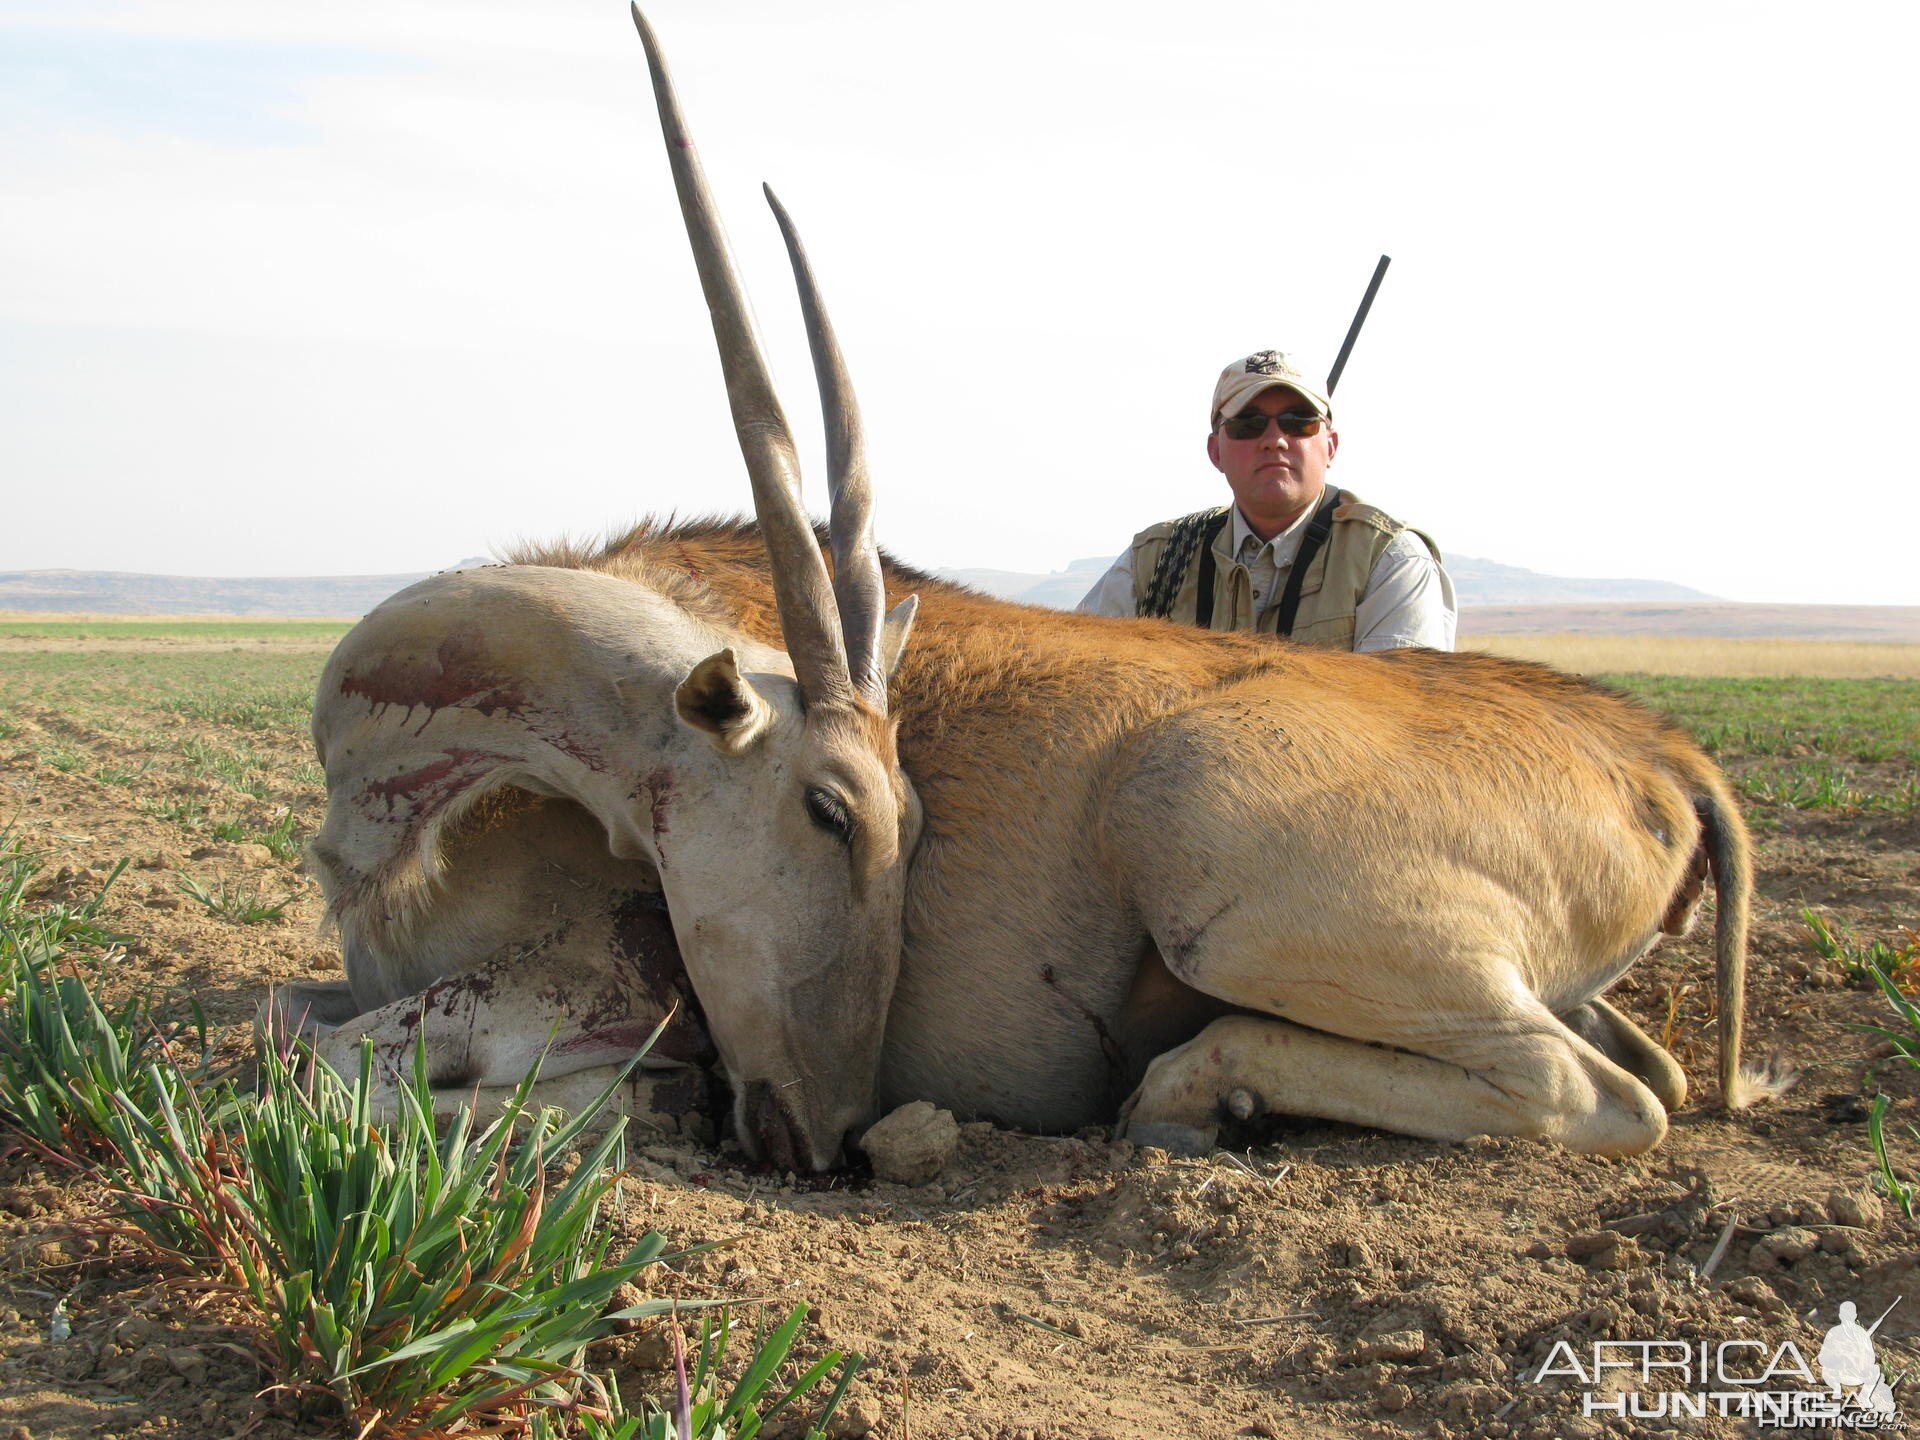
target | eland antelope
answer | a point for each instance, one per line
(1165, 876)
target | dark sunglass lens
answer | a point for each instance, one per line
(1245, 426)
(1295, 422)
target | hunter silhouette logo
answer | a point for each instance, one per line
(1267, 362)
(1847, 1363)
(1768, 1383)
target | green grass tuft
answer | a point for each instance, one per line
(1861, 964)
(241, 902)
(700, 1410)
(68, 1063)
(108, 773)
(402, 1279)
(279, 837)
(1903, 1034)
(185, 811)
(1825, 785)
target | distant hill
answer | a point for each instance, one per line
(1487, 582)
(112, 592)
(1060, 590)
(1495, 599)
(1475, 582)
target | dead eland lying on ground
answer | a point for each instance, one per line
(1164, 875)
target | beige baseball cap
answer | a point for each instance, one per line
(1262, 370)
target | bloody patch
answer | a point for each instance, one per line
(657, 790)
(432, 786)
(645, 953)
(457, 675)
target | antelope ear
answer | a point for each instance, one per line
(894, 632)
(715, 698)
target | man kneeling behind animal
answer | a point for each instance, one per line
(1292, 555)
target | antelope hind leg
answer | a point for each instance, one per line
(1631, 1048)
(1542, 1082)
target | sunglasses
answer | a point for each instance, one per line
(1251, 424)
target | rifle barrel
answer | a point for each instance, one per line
(1359, 319)
(1884, 1313)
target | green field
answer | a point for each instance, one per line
(1805, 744)
(212, 742)
(170, 629)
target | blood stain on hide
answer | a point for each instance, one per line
(444, 996)
(657, 789)
(456, 675)
(432, 786)
(643, 947)
(616, 1042)
(1111, 1050)
(459, 676)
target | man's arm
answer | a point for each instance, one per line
(1409, 600)
(1112, 593)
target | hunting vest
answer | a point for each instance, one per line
(1167, 571)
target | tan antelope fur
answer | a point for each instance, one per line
(1164, 876)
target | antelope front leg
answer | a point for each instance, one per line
(483, 1036)
(307, 1009)
(1543, 1082)
(578, 1006)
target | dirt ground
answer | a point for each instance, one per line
(1324, 1282)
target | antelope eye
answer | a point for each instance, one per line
(829, 812)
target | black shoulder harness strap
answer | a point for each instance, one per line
(1209, 568)
(1171, 568)
(1318, 529)
(1196, 534)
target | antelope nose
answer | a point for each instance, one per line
(771, 1129)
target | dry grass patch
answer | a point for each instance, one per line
(1706, 655)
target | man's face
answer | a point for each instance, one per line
(1274, 477)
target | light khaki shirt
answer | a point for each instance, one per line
(1408, 601)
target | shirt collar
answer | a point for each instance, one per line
(1285, 545)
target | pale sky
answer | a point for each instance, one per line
(376, 285)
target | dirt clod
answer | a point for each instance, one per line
(1592, 1245)
(1785, 1247)
(912, 1145)
(1397, 1345)
(1856, 1208)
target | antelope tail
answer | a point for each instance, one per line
(1730, 859)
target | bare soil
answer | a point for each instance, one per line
(1319, 1281)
